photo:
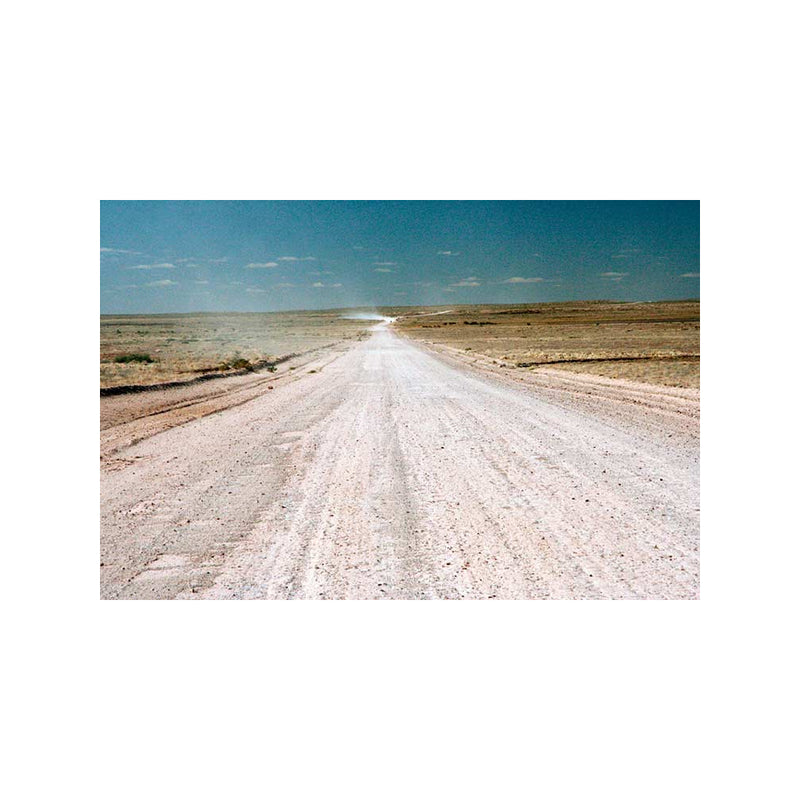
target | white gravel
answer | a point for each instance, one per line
(395, 472)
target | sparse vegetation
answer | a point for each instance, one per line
(185, 346)
(134, 358)
(649, 342)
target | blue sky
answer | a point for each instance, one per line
(159, 256)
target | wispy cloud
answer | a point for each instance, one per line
(284, 285)
(162, 265)
(255, 290)
(113, 251)
(627, 252)
(471, 281)
(218, 260)
(613, 276)
(517, 279)
(261, 265)
(165, 282)
(297, 258)
(690, 275)
(447, 253)
(320, 285)
(383, 269)
(385, 263)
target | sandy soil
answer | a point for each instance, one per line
(399, 472)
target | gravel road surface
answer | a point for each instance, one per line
(393, 471)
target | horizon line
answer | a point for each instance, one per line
(389, 305)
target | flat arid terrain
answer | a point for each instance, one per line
(650, 342)
(159, 348)
(553, 453)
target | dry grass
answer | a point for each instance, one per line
(649, 342)
(183, 346)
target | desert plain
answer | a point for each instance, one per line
(454, 452)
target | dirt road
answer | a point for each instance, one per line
(396, 472)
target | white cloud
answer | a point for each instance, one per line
(385, 263)
(217, 260)
(113, 251)
(471, 281)
(163, 265)
(318, 285)
(626, 252)
(517, 279)
(690, 275)
(297, 258)
(254, 290)
(284, 285)
(383, 269)
(165, 282)
(202, 282)
(613, 276)
(447, 253)
(261, 265)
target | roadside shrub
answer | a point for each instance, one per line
(135, 358)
